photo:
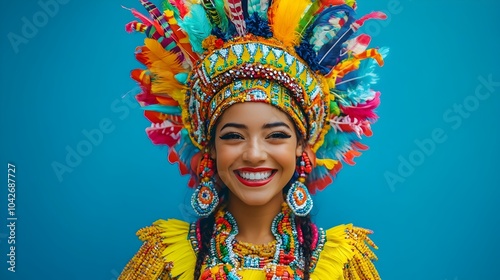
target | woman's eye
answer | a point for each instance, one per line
(279, 135)
(229, 136)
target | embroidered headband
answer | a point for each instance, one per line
(299, 56)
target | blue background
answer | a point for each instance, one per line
(436, 218)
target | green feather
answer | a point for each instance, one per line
(168, 6)
(308, 17)
(219, 6)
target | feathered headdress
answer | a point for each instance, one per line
(304, 56)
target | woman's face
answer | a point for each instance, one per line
(255, 149)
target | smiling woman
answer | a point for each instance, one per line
(255, 154)
(260, 117)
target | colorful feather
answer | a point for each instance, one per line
(164, 65)
(160, 59)
(145, 20)
(284, 17)
(328, 54)
(197, 27)
(170, 37)
(347, 124)
(258, 6)
(181, 7)
(234, 10)
(330, 51)
(182, 39)
(158, 22)
(135, 26)
(363, 111)
(357, 83)
(324, 32)
(358, 44)
(165, 133)
(216, 14)
(315, 8)
(213, 16)
(156, 28)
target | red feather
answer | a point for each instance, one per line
(164, 133)
(179, 4)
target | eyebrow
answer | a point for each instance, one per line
(266, 126)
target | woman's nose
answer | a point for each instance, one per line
(254, 153)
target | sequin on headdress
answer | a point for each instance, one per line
(303, 57)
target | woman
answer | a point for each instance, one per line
(259, 103)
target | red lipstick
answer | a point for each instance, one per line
(254, 183)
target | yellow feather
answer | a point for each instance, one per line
(284, 17)
(161, 58)
(326, 162)
(164, 65)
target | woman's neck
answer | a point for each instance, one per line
(254, 222)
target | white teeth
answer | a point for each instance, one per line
(255, 175)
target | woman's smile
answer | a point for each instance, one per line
(255, 177)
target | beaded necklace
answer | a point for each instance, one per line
(281, 259)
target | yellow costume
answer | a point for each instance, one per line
(169, 252)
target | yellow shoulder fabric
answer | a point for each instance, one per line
(167, 254)
(346, 255)
(164, 242)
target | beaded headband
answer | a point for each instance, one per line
(300, 56)
(227, 74)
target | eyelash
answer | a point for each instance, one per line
(279, 135)
(230, 136)
(274, 135)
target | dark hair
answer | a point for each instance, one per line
(206, 230)
(305, 225)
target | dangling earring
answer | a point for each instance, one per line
(298, 197)
(205, 197)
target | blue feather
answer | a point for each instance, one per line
(329, 53)
(197, 26)
(185, 149)
(335, 144)
(258, 27)
(169, 110)
(357, 84)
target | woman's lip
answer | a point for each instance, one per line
(254, 183)
(255, 169)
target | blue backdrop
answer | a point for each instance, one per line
(87, 177)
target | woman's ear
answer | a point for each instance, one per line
(299, 149)
(310, 154)
(213, 153)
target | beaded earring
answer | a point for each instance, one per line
(205, 197)
(298, 197)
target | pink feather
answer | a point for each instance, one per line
(129, 27)
(363, 111)
(147, 21)
(166, 133)
(373, 15)
(359, 44)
